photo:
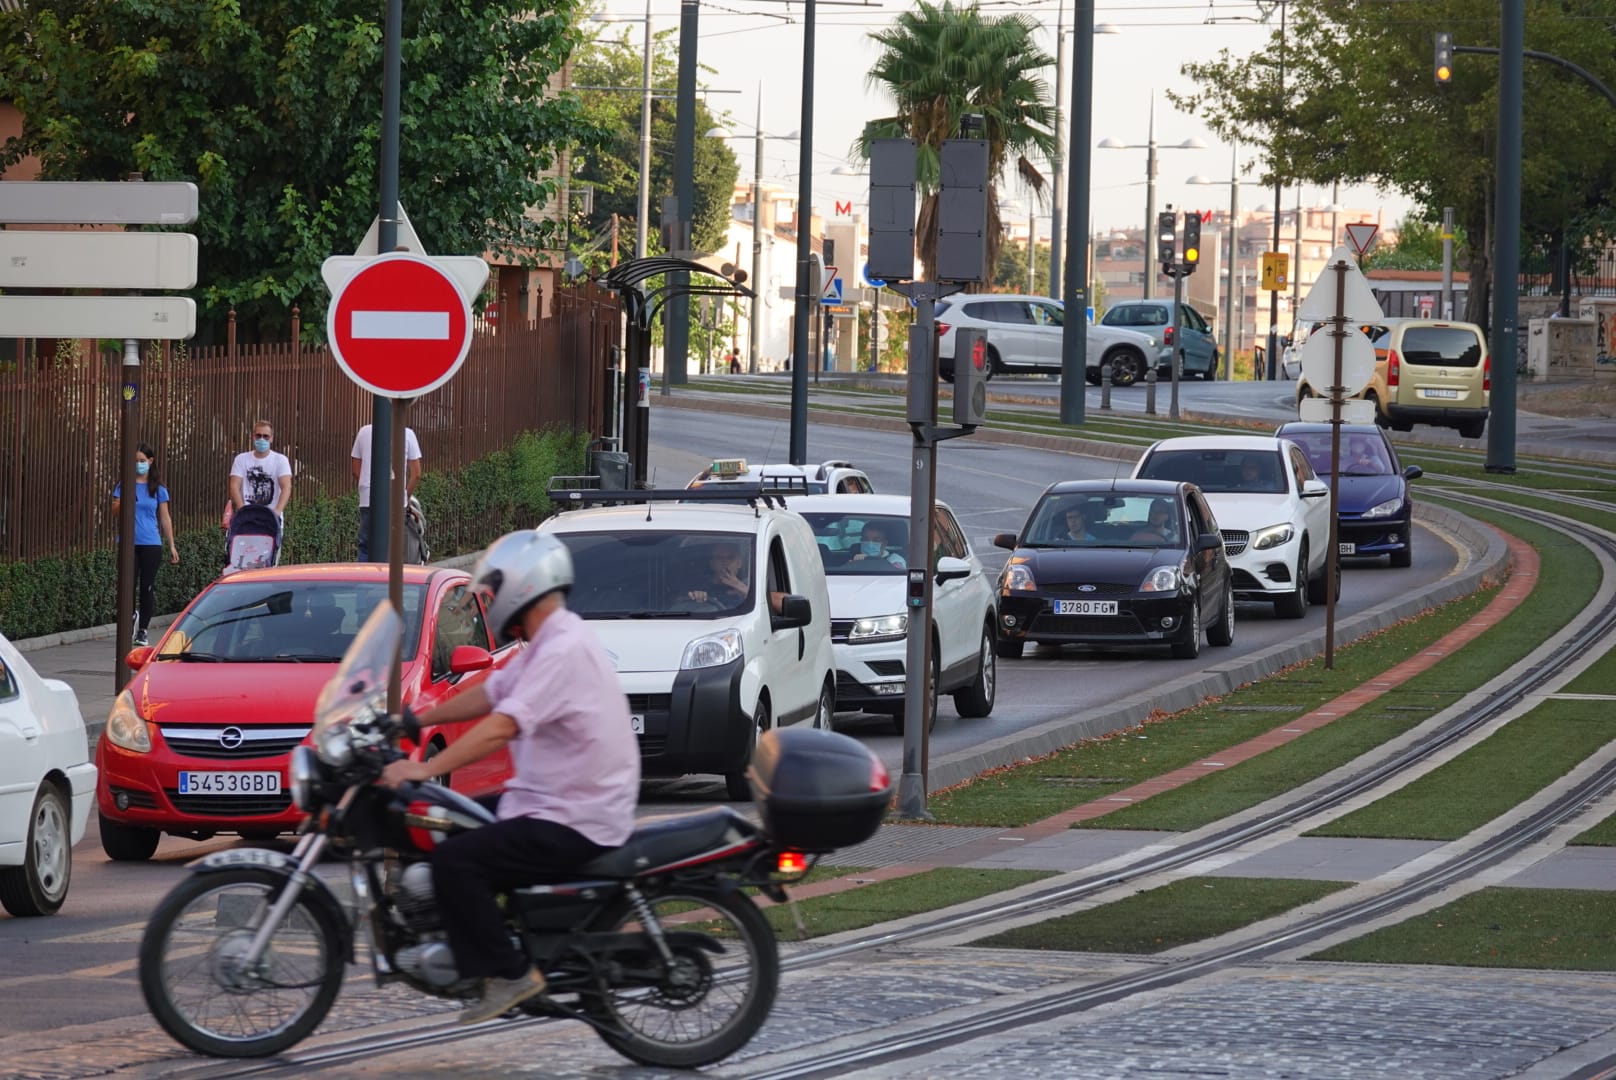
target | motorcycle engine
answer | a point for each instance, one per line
(414, 897)
(431, 962)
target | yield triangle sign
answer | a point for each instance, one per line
(1361, 234)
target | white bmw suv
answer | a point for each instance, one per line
(1024, 334)
(863, 542)
(1273, 510)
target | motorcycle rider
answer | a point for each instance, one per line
(575, 761)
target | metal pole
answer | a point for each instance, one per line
(805, 203)
(676, 314)
(1273, 297)
(1507, 239)
(1337, 393)
(1151, 269)
(395, 537)
(1057, 194)
(1032, 244)
(1177, 323)
(1075, 290)
(643, 217)
(917, 661)
(127, 497)
(1447, 262)
(754, 326)
(1234, 257)
(381, 413)
(1296, 264)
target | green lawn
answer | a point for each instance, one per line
(884, 901)
(1601, 835)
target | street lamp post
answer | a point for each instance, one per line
(1057, 168)
(754, 331)
(643, 211)
(1150, 188)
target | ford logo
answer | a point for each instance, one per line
(231, 737)
(1085, 588)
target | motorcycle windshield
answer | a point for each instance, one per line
(362, 678)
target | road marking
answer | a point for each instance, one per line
(400, 325)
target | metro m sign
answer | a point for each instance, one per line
(844, 209)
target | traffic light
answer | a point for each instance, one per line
(1444, 58)
(1166, 239)
(1192, 242)
(970, 377)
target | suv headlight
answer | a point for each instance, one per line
(1385, 509)
(713, 650)
(879, 628)
(1017, 578)
(126, 727)
(1163, 579)
(1272, 537)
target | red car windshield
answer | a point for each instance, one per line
(283, 621)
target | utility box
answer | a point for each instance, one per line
(1561, 349)
(609, 464)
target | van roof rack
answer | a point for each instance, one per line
(568, 496)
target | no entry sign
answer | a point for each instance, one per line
(400, 327)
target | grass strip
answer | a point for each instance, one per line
(884, 901)
(1559, 929)
(1601, 835)
(1516, 761)
(1096, 768)
(1598, 678)
(1187, 910)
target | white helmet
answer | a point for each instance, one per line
(518, 569)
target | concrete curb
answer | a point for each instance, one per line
(107, 630)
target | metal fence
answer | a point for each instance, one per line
(59, 417)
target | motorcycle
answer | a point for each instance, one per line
(656, 945)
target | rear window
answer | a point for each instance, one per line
(1256, 471)
(1136, 315)
(1447, 346)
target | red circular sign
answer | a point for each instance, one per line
(400, 327)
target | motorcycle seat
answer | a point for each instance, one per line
(659, 841)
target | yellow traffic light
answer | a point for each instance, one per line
(1192, 255)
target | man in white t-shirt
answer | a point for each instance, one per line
(361, 475)
(262, 477)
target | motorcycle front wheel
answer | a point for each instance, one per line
(196, 985)
(714, 997)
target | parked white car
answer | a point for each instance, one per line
(717, 618)
(1024, 334)
(47, 786)
(1273, 511)
(869, 618)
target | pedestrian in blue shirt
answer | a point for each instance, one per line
(153, 527)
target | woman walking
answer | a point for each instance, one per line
(153, 526)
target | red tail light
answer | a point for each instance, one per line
(791, 862)
(880, 779)
(1167, 335)
(1487, 375)
(942, 328)
(1392, 363)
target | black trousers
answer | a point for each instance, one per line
(148, 557)
(471, 869)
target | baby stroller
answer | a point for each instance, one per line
(254, 539)
(415, 545)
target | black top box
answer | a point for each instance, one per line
(816, 790)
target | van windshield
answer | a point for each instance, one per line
(660, 574)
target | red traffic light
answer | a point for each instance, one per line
(979, 354)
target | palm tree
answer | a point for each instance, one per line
(942, 62)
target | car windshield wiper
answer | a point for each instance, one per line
(192, 657)
(1360, 472)
(304, 658)
(636, 614)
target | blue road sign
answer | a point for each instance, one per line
(833, 292)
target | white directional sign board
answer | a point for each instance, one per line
(95, 202)
(158, 318)
(1357, 360)
(1317, 410)
(1320, 302)
(97, 260)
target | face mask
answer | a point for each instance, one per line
(261, 445)
(870, 547)
(142, 468)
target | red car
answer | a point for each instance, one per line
(198, 743)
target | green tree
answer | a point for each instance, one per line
(274, 109)
(1010, 272)
(1418, 247)
(1360, 106)
(941, 62)
(613, 166)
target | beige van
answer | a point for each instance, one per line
(1427, 371)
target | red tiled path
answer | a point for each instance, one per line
(1522, 577)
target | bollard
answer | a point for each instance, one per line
(1150, 390)
(1105, 386)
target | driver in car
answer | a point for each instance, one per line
(724, 585)
(873, 547)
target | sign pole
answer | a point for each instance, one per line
(126, 511)
(400, 410)
(381, 419)
(1332, 565)
(1176, 322)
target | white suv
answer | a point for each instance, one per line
(1024, 334)
(836, 477)
(1273, 510)
(716, 616)
(869, 619)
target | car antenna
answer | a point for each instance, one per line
(650, 502)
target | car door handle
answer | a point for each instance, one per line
(802, 643)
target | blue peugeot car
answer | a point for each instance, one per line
(1374, 511)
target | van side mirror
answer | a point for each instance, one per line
(137, 657)
(1005, 540)
(794, 611)
(468, 658)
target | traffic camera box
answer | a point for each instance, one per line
(817, 791)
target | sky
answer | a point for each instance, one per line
(751, 49)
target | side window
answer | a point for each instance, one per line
(1205, 521)
(1193, 320)
(779, 576)
(456, 626)
(8, 685)
(1047, 315)
(1300, 466)
(951, 541)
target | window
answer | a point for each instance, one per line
(1201, 517)
(1193, 320)
(1136, 315)
(1300, 467)
(779, 574)
(841, 540)
(1048, 315)
(641, 573)
(8, 685)
(951, 540)
(1453, 346)
(1219, 470)
(458, 624)
(1001, 311)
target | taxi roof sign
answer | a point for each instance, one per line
(727, 467)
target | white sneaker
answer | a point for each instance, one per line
(140, 638)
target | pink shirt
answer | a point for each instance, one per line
(575, 759)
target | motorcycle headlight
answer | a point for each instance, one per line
(879, 628)
(713, 650)
(1272, 537)
(1163, 579)
(1017, 578)
(304, 772)
(126, 727)
(1385, 509)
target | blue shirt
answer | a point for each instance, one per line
(146, 530)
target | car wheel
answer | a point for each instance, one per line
(995, 365)
(1091, 376)
(825, 711)
(1316, 593)
(1211, 373)
(1222, 631)
(1009, 648)
(976, 699)
(1403, 557)
(1127, 367)
(39, 885)
(1293, 605)
(1401, 425)
(1190, 646)
(897, 717)
(127, 843)
(1472, 429)
(735, 783)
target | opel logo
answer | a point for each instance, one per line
(1085, 588)
(231, 737)
(1443, 373)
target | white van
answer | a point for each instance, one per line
(717, 618)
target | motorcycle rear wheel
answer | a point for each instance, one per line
(708, 1005)
(192, 982)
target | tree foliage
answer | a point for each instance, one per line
(940, 63)
(1418, 247)
(273, 109)
(613, 166)
(1360, 105)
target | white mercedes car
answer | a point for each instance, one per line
(1273, 510)
(47, 786)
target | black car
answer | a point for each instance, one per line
(1116, 562)
(1374, 512)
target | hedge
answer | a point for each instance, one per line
(464, 509)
